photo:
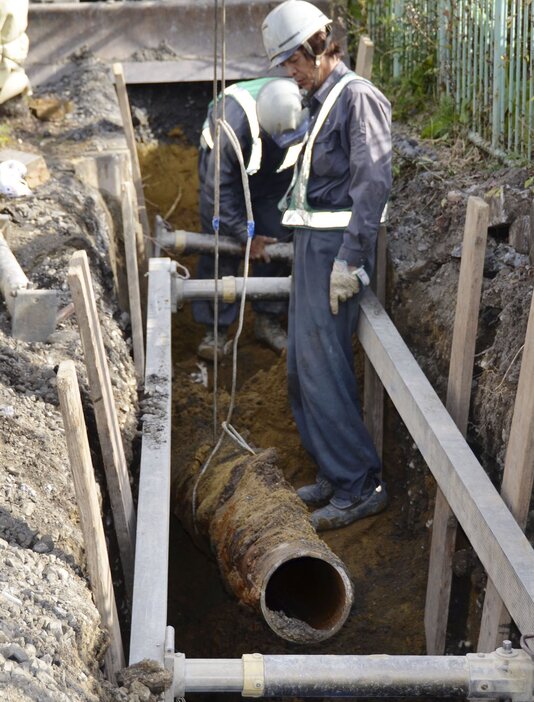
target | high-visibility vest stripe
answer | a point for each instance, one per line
(248, 103)
(299, 213)
(290, 158)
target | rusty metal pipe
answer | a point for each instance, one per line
(267, 550)
(184, 242)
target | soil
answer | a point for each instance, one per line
(51, 644)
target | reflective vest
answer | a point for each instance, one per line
(298, 212)
(245, 95)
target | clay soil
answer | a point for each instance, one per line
(50, 641)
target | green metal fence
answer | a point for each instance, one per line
(484, 55)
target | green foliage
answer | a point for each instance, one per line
(443, 121)
(411, 94)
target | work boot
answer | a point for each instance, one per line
(269, 330)
(206, 348)
(340, 511)
(320, 491)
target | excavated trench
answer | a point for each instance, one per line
(386, 556)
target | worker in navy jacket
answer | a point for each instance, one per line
(341, 185)
(267, 119)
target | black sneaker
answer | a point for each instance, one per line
(320, 491)
(340, 512)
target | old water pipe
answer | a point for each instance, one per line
(267, 550)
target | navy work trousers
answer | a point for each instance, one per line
(322, 385)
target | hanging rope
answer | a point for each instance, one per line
(222, 124)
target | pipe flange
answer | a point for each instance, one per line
(253, 675)
(228, 288)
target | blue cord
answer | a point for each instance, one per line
(250, 229)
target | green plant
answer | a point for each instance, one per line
(443, 121)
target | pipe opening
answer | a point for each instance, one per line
(306, 599)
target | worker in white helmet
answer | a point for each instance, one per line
(13, 48)
(267, 117)
(339, 191)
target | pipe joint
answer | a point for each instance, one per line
(253, 675)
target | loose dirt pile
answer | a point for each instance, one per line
(50, 642)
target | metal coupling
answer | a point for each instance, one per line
(229, 290)
(505, 673)
(253, 675)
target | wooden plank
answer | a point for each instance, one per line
(373, 392)
(149, 611)
(458, 400)
(134, 293)
(124, 105)
(499, 542)
(90, 517)
(364, 57)
(516, 489)
(79, 277)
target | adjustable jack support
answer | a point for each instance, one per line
(506, 673)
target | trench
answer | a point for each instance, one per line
(386, 555)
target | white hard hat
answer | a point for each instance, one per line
(279, 106)
(289, 26)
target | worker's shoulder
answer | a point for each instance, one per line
(360, 87)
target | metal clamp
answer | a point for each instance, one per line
(253, 675)
(228, 288)
(505, 673)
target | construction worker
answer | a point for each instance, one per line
(341, 185)
(267, 118)
(13, 48)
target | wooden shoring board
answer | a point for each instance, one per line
(144, 238)
(516, 489)
(458, 400)
(149, 610)
(90, 517)
(493, 532)
(101, 392)
(373, 392)
(364, 57)
(134, 292)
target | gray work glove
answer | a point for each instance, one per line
(344, 283)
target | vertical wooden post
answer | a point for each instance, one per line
(79, 277)
(143, 242)
(134, 293)
(373, 391)
(516, 489)
(458, 399)
(364, 57)
(90, 517)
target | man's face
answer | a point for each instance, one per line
(301, 69)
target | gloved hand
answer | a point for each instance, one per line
(257, 248)
(343, 284)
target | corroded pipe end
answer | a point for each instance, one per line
(306, 593)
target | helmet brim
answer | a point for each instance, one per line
(279, 59)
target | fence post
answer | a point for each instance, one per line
(458, 398)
